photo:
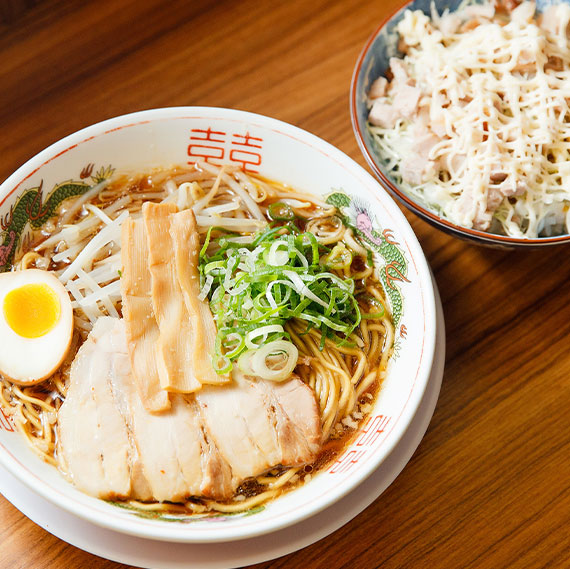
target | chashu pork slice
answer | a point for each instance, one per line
(241, 425)
(94, 448)
(260, 424)
(111, 446)
(296, 418)
(174, 452)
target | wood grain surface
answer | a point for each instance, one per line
(488, 487)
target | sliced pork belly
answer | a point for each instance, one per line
(206, 444)
(259, 424)
(241, 425)
(154, 438)
(93, 441)
(176, 459)
(297, 419)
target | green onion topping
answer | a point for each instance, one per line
(255, 289)
(280, 211)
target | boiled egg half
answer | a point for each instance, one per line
(36, 325)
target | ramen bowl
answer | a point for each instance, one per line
(372, 63)
(180, 136)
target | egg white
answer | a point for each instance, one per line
(30, 360)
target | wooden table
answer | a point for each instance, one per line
(488, 487)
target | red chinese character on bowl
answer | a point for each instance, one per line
(207, 144)
(242, 154)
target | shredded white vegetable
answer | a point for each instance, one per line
(90, 247)
(245, 197)
(236, 224)
(111, 232)
(99, 213)
(476, 120)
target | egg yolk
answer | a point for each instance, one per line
(32, 310)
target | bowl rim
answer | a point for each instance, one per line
(189, 534)
(423, 212)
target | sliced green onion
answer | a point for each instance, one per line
(263, 331)
(278, 254)
(274, 361)
(221, 364)
(302, 289)
(372, 315)
(234, 344)
(339, 258)
(256, 288)
(206, 288)
(244, 362)
(280, 211)
(309, 239)
(213, 267)
(206, 242)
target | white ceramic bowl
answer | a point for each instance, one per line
(165, 137)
